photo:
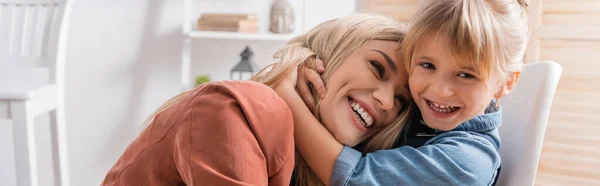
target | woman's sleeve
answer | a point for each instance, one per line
(235, 133)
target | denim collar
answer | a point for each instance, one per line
(481, 123)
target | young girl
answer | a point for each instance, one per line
(462, 56)
(241, 132)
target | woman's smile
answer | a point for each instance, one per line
(360, 115)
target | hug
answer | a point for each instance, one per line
(358, 100)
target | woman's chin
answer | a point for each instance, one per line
(347, 141)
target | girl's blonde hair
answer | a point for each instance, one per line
(332, 41)
(488, 35)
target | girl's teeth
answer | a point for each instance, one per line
(442, 108)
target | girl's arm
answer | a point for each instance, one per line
(316, 145)
(455, 158)
(452, 158)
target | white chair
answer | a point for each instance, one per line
(524, 120)
(32, 51)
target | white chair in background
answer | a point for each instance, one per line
(524, 120)
(32, 51)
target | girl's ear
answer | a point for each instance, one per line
(508, 85)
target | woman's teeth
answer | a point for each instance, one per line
(363, 116)
(442, 108)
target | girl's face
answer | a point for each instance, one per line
(365, 93)
(448, 92)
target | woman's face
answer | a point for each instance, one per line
(365, 93)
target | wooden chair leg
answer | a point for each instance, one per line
(59, 147)
(26, 163)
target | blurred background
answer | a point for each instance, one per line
(124, 58)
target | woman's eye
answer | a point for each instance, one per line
(466, 75)
(402, 102)
(427, 66)
(379, 68)
(400, 99)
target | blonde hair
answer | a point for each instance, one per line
(489, 35)
(332, 41)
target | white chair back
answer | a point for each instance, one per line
(524, 120)
(32, 35)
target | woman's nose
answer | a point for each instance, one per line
(384, 96)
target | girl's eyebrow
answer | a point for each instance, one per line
(387, 59)
(468, 68)
(426, 58)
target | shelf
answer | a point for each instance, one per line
(241, 36)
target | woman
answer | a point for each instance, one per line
(241, 132)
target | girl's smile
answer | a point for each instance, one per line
(441, 110)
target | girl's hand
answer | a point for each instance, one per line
(287, 84)
(310, 78)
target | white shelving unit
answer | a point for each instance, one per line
(308, 14)
(240, 36)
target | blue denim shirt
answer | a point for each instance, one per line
(456, 157)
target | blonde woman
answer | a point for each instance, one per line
(241, 132)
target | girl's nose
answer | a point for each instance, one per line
(442, 87)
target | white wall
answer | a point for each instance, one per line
(123, 61)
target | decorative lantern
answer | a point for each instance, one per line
(246, 67)
(282, 17)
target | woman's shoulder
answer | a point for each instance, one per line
(248, 91)
(235, 86)
(256, 100)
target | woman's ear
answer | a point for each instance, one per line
(508, 85)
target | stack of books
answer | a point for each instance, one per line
(228, 22)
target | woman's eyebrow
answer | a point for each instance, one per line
(387, 59)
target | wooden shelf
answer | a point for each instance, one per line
(241, 36)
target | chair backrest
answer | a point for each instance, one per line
(33, 34)
(524, 120)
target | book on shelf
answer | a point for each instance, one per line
(230, 29)
(227, 16)
(228, 22)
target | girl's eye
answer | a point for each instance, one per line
(379, 68)
(466, 75)
(427, 65)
